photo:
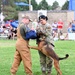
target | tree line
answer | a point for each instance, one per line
(9, 7)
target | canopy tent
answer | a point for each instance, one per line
(24, 4)
(1, 16)
(21, 4)
(15, 24)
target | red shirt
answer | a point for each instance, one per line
(60, 25)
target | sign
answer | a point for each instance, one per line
(42, 12)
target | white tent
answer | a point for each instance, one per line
(1, 17)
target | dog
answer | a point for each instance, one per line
(47, 49)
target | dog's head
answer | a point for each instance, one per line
(41, 36)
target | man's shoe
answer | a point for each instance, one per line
(13, 74)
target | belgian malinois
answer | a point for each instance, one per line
(47, 49)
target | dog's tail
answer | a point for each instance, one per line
(66, 56)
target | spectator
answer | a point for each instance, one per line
(54, 28)
(1, 29)
(62, 36)
(5, 30)
(14, 32)
(60, 26)
(73, 26)
(70, 28)
(34, 24)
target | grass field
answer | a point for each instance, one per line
(7, 49)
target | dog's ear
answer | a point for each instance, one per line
(41, 34)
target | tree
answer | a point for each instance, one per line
(9, 8)
(43, 5)
(55, 5)
(8, 2)
(65, 6)
(34, 4)
(8, 12)
(49, 7)
(0, 6)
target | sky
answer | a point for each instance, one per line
(50, 2)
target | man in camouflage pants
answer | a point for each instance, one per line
(45, 62)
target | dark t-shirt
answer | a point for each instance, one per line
(23, 30)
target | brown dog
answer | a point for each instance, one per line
(48, 51)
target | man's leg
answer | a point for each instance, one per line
(16, 63)
(26, 57)
(42, 62)
(49, 65)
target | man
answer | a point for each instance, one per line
(60, 27)
(22, 51)
(46, 62)
(73, 26)
(34, 24)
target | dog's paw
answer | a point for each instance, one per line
(29, 46)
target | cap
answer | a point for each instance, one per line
(27, 17)
(43, 17)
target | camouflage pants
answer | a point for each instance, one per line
(45, 62)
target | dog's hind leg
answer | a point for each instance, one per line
(56, 65)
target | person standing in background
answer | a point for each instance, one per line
(60, 26)
(22, 50)
(34, 25)
(73, 26)
(54, 29)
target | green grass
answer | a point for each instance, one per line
(7, 50)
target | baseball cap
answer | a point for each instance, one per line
(27, 17)
(43, 17)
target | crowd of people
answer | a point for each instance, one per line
(58, 30)
(8, 30)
